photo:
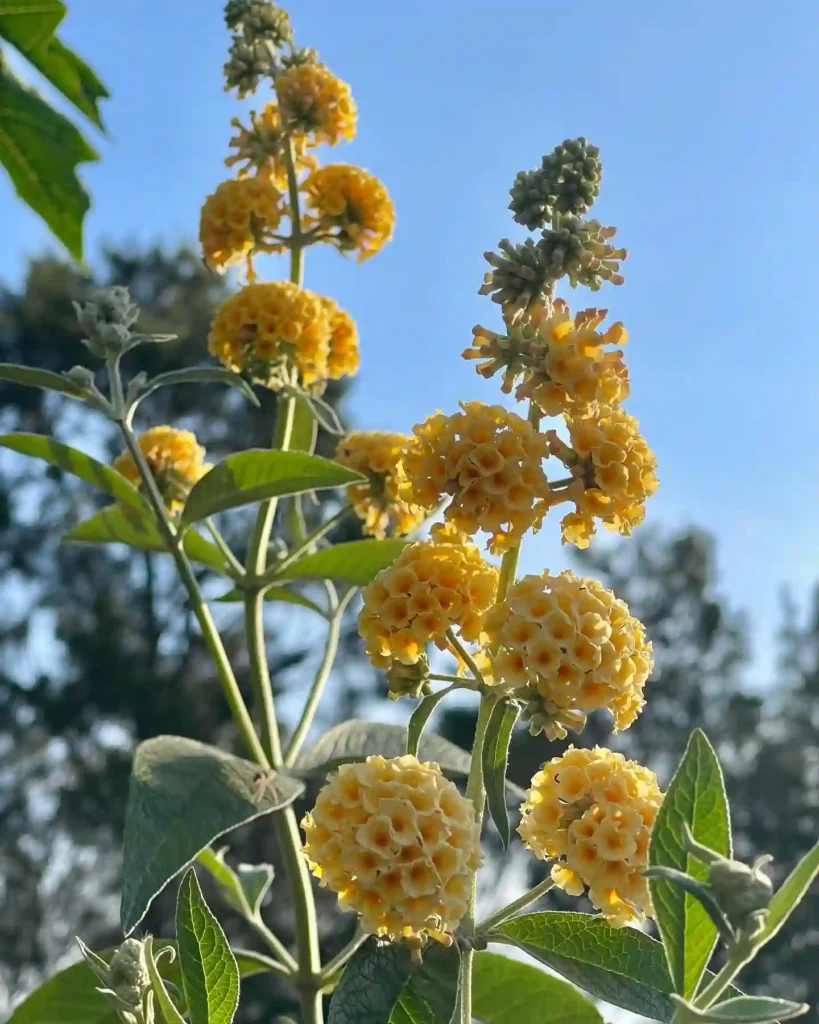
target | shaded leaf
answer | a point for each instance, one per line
(40, 149)
(420, 717)
(246, 887)
(495, 760)
(118, 525)
(258, 474)
(45, 379)
(28, 24)
(71, 76)
(507, 991)
(696, 796)
(183, 796)
(305, 427)
(275, 594)
(210, 975)
(199, 375)
(357, 561)
(71, 460)
(788, 896)
(752, 1010)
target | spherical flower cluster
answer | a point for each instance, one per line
(489, 460)
(561, 361)
(342, 357)
(593, 811)
(567, 646)
(381, 500)
(260, 147)
(399, 844)
(433, 586)
(614, 470)
(176, 461)
(267, 328)
(349, 207)
(237, 219)
(316, 103)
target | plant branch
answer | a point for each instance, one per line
(273, 942)
(737, 956)
(224, 547)
(512, 908)
(461, 652)
(274, 570)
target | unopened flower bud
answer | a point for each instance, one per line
(247, 64)
(409, 680)
(81, 376)
(567, 182)
(128, 975)
(743, 893)
(259, 19)
(108, 320)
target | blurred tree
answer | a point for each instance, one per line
(96, 649)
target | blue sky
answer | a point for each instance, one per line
(706, 118)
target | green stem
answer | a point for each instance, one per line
(274, 966)
(464, 655)
(340, 959)
(512, 908)
(273, 942)
(509, 566)
(200, 609)
(736, 958)
(224, 547)
(475, 792)
(458, 682)
(260, 676)
(308, 542)
(317, 689)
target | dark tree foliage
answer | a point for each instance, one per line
(97, 649)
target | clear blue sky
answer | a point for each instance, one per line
(705, 114)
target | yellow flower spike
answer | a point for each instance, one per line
(349, 207)
(316, 104)
(614, 470)
(490, 461)
(175, 458)
(432, 586)
(567, 646)
(592, 810)
(399, 844)
(237, 220)
(266, 329)
(381, 500)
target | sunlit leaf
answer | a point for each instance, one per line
(507, 991)
(357, 561)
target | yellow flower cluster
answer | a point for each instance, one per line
(237, 219)
(382, 499)
(560, 359)
(175, 458)
(317, 104)
(431, 587)
(261, 146)
(567, 646)
(267, 328)
(342, 357)
(593, 811)
(489, 460)
(614, 471)
(399, 844)
(349, 207)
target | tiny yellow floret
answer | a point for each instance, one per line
(381, 502)
(174, 457)
(565, 646)
(350, 208)
(399, 844)
(489, 460)
(592, 810)
(261, 147)
(317, 104)
(237, 220)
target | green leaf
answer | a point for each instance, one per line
(40, 149)
(167, 1008)
(420, 717)
(119, 525)
(258, 474)
(199, 375)
(696, 796)
(507, 991)
(71, 76)
(71, 460)
(275, 594)
(210, 975)
(788, 896)
(357, 561)
(751, 1010)
(495, 760)
(246, 887)
(27, 24)
(69, 997)
(183, 796)
(45, 379)
(381, 985)
(621, 965)
(356, 740)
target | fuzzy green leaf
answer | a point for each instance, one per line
(420, 717)
(40, 149)
(788, 896)
(259, 474)
(381, 985)
(44, 379)
(245, 888)
(119, 525)
(357, 561)
(495, 760)
(210, 975)
(751, 1010)
(183, 796)
(696, 796)
(507, 991)
(200, 375)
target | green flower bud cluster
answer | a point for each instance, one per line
(108, 323)
(247, 64)
(259, 19)
(520, 278)
(567, 182)
(409, 680)
(260, 29)
(580, 250)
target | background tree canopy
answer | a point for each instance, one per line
(92, 661)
